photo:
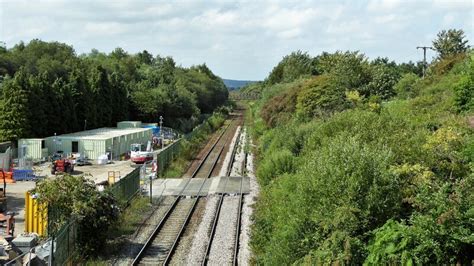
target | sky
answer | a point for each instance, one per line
(237, 39)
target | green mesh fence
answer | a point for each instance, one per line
(166, 156)
(65, 243)
(126, 188)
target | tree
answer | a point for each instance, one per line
(382, 82)
(59, 91)
(320, 96)
(410, 67)
(14, 122)
(76, 196)
(145, 57)
(291, 67)
(350, 70)
(38, 118)
(405, 87)
(450, 42)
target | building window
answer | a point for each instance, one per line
(43, 144)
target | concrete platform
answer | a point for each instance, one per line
(190, 187)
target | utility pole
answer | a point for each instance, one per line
(161, 132)
(151, 187)
(424, 56)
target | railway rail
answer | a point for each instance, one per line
(234, 260)
(161, 244)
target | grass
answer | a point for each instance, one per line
(131, 217)
(181, 163)
(129, 220)
(177, 168)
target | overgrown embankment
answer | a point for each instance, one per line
(194, 141)
(365, 162)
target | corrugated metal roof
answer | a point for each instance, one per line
(102, 133)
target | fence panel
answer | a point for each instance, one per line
(65, 243)
(126, 188)
(166, 156)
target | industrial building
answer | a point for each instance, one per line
(32, 148)
(91, 143)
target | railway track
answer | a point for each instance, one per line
(160, 246)
(227, 222)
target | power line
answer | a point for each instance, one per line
(424, 56)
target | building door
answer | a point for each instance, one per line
(75, 146)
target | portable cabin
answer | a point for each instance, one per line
(96, 142)
(32, 149)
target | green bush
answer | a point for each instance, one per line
(76, 196)
(440, 232)
(406, 86)
(342, 189)
(320, 97)
(464, 94)
(386, 182)
(274, 165)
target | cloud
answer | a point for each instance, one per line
(384, 5)
(453, 4)
(237, 39)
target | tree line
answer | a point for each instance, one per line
(364, 161)
(47, 88)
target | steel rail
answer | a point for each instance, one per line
(239, 215)
(219, 204)
(173, 205)
(188, 217)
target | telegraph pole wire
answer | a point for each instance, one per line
(424, 56)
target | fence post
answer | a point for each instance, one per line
(51, 256)
(151, 188)
(68, 247)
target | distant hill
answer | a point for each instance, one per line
(233, 84)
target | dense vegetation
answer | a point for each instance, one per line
(194, 141)
(77, 197)
(46, 88)
(364, 162)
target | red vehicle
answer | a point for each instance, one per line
(7, 219)
(138, 156)
(62, 166)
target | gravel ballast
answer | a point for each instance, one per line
(201, 237)
(222, 248)
(228, 156)
(239, 156)
(138, 239)
(185, 242)
(247, 210)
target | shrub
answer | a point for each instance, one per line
(464, 94)
(274, 165)
(343, 188)
(406, 88)
(280, 108)
(319, 97)
(76, 196)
